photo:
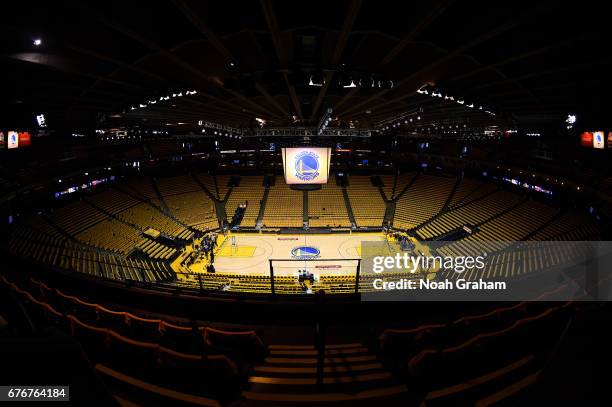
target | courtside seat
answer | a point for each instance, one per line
(242, 345)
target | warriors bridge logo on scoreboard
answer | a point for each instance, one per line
(305, 252)
(307, 166)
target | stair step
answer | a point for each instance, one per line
(337, 346)
(309, 352)
(309, 381)
(312, 361)
(313, 370)
(325, 397)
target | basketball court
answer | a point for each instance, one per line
(250, 253)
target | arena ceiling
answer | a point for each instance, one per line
(287, 61)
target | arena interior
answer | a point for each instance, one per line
(195, 197)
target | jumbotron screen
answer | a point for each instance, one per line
(306, 165)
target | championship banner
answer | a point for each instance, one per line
(306, 165)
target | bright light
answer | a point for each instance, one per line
(352, 85)
(37, 42)
(40, 119)
(571, 119)
(311, 83)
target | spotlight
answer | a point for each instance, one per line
(351, 85)
(37, 42)
(316, 80)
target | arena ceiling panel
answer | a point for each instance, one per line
(285, 62)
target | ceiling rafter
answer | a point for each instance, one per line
(214, 40)
(347, 27)
(514, 58)
(268, 10)
(408, 38)
(182, 63)
(434, 64)
(412, 34)
(41, 61)
(532, 75)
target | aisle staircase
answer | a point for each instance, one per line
(305, 206)
(389, 212)
(352, 375)
(406, 188)
(210, 194)
(262, 208)
(349, 208)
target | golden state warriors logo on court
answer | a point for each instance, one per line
(305, 252)
(307, 166)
